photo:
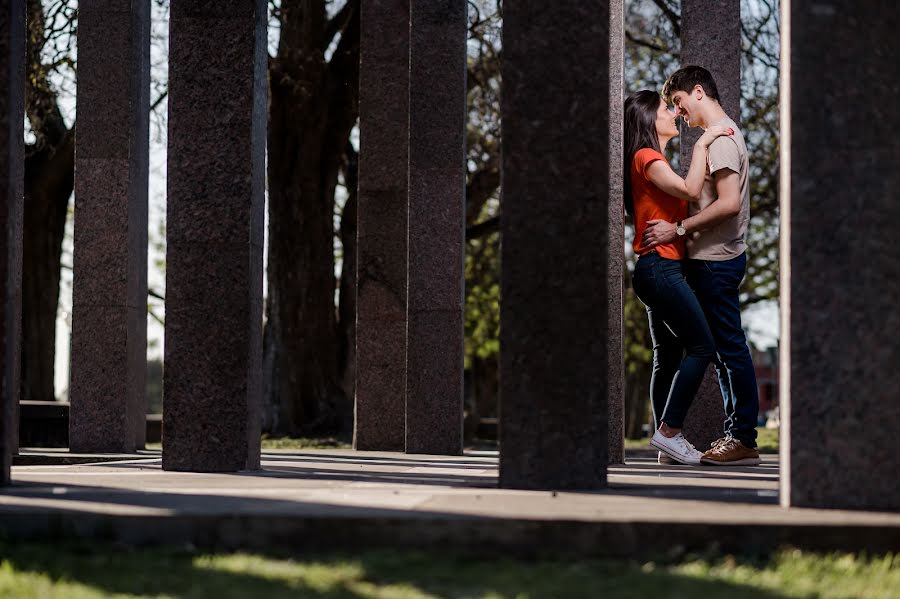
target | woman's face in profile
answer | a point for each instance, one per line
(665, 121)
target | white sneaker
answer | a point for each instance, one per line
(665, 459)
(677, 448)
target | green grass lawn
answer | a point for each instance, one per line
(302, 443)
(49, 571)
(767, 440)
(290, 443)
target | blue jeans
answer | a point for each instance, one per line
(717, 285)
(683, 344)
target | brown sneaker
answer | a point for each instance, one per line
(730, 452)
(718, 442)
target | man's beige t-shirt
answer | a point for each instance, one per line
(726, 240)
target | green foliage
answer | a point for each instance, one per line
(302, 443)
(482, 299)
(482, 262)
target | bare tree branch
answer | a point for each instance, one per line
(483, 229)
(339, 21)
(159, 100)
(645, 43)
(670, 14)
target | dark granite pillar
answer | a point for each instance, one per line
(555, 226)
(437, 183)
(109, 298)
(840, 266)
(711, 38)
(12, 79)
(216, 179)
(380, 407)
(616, 257)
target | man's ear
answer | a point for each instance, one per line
(699, 92)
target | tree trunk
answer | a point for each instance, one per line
(48, 186)
(49, 177)
(313, 107)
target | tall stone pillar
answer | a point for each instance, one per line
(839, 262)
(12, 80)
(616, 256)
(380, 407)
(437, 183)
(556, 203)
(216, 179)
(711, 38)
(109, 298)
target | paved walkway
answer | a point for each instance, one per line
(398, 499)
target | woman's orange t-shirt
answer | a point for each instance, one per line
(650, 202)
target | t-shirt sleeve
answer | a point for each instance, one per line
(644, 158)
(724, 153)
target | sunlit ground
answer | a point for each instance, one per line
(49, 571)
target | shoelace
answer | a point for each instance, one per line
(686, 445)
(724, 446)
(721, 441)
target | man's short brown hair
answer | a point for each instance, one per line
(686, 78)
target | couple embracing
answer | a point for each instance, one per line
(690, 239)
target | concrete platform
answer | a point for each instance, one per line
(342, 499)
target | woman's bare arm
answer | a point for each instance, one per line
(661, 174)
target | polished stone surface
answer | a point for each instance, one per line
(711, 38)
(705, 421)
(616, 242)
(216, 180)
(380, 406)
(351, 500)
(554, 318)
(840, 266)
(437, 181)
(12, 79)
(109, 314)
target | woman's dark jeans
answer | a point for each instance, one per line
(683, 345)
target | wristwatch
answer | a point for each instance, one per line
(679, 228)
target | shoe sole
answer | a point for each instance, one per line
(666, 451)
(742, 462)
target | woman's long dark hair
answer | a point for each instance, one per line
(640, 132)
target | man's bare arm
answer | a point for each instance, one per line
(728, 204)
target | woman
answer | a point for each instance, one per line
(677, 324)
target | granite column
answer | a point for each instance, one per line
(840, 300)
(380, 406)
(616, 257)
(554, 354)
(710, 38)
(216, 181)
(109, 298)
(12, 81)
(437, 183)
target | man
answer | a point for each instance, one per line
(715, 234)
